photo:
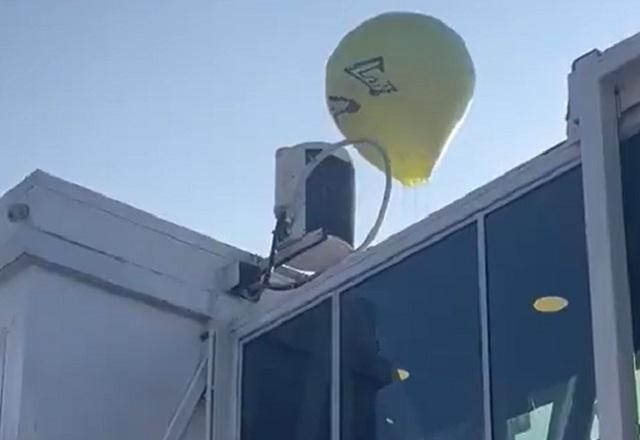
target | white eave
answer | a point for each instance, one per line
(103, 241)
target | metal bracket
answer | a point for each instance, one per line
(244, 279)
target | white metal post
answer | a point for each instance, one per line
(484, 327)
(226, 382)
(593, 120)
(211, 361)
(335, 366)
(3, 364)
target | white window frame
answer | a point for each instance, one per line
(594, 123)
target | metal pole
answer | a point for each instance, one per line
(209, 387)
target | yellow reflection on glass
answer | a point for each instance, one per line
(401, 375)
(550, 304)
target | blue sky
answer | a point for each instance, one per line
(177, 107)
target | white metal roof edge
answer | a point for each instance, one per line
(122, 211)
(117, 276)
(275, 307)
(614, 58)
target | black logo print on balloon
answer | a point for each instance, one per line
(371, 73)
(339, 105)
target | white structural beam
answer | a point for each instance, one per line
(594, 123)
(188, 404)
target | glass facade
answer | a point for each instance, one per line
(411, 345)
(286, 380)
(630, 166)
(411, 363)
(541, 353)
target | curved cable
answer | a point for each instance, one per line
(373, 232)
(328, 151)
(386, 197)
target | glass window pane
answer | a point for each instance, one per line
(630, 171)
(286, 380)
(411, 348)
(541, 352)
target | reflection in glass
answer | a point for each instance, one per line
(286, 380)
(630, 171)
(542, 370)
(411, 348)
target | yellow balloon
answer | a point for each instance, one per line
(404, 80)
